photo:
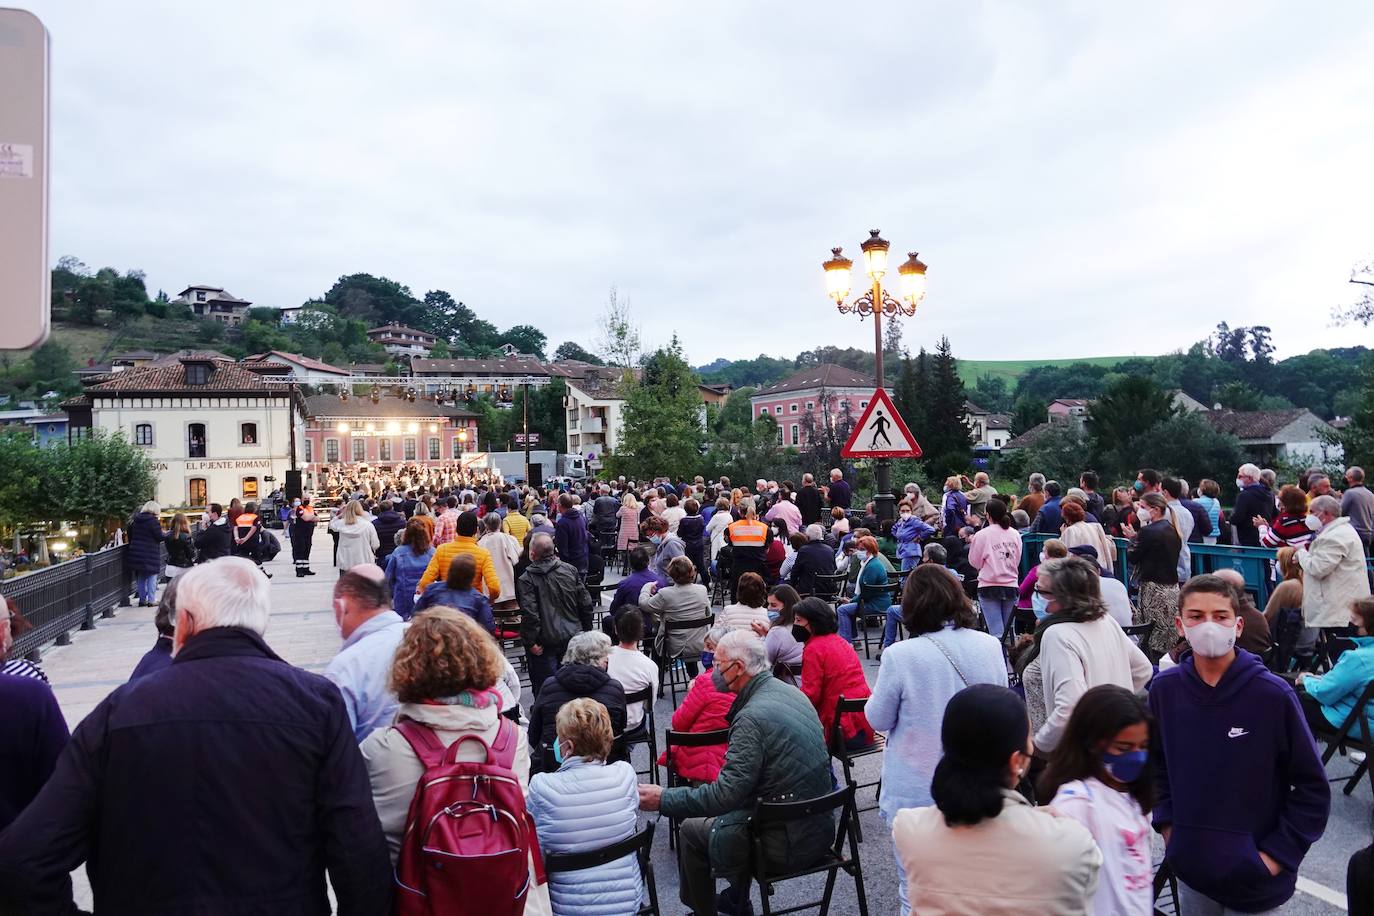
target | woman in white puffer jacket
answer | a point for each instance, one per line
(584, 805)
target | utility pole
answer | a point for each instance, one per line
(526, 399)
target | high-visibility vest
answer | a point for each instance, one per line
(746, 533)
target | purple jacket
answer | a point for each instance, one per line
(32, 734)
(570, 537)
(1236, 772)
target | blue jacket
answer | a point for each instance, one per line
(1236, 772)
(1339, 688)
(909, 533)
(952, 511)
(468, 600)
(581, 807)
(874, 574)
(1049, 520)
(570, 538)
(32, 734)
(145, 538)
(155, 659)
(627, 589)
(403, 570)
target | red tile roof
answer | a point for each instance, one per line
(826, 375)
(303, 360)
(227, 377)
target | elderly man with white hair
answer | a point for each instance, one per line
(582, 674)
(839, 492)
(228, 782)
(775, 752)
(371, 631)
(1333, 566)
(814, 558)
(1254, 499)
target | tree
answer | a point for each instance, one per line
(1187, 446)
(662, 429)
(99, 479)
(526, 339)
(1027, 413)
(1127, 408)
(440, 350)
(52, 365)
(25, 484)
(1059, 453)
(619, 342)
(947, 442)
(570, 350)
(892, 346)
(376, 301)
(1362, 311)
(825, 430)
(913, 381)
(991, 393)
(458, 324)
(1357, 439)
(761, 370)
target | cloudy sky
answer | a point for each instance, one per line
(1082, 178)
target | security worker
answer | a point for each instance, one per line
(748, 539)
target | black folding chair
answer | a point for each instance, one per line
(672, 739)
(790, 673)
(625, 557)
(864, 618)
(1140, 634)
(508, 621)
(720, 583)
(830, 586)
(1165, 878)
(1346, 738)
(646, 734)
(637, 845)
(846, 757)
(843, 856)
(668, 666)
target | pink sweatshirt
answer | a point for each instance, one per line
(996, 552)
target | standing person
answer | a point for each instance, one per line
(145, 552)
(464, 541)
(32, 730)
(554, 607)
(514, 523)
(1050, 519)
(1333, 565)
(673, 512)
(445, 525)
(235, 510)
(505, 553)
(1043, 863)
(247, 533)
(715, 529)
(254, 762)
(996, 553)
(1035, 497)
(160, 655)
(830, 669)
(809, 501)
(388, 523)
(691, 530)
(1289, 529)
(358, 540)
(1241, 792)
(628, 519)
(953, 506)
(839, 493)
(785, 510)
(1153, 552)
(1209, 498)
(181, 550)
(214, 539)
(909, 532)
(371, 630)
(570, 534)
(1357, 504)
(1079, 531)
(300, 528)
(1254, 499)
(749, 540)
(1100, 777)
(979, 494)
(407, 564)
(918, 677)
(1087, 481)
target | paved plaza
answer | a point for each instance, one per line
(302, 631)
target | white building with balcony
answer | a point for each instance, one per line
(399, 340)
(214, 303)
(594, 420)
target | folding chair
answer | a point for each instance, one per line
(625, 557)
(846, 757)
(720, 584)
(638, 845)
(646, 734)
(672, 739)
(1165, 877)
(1344, 739)
(791, 673)
(1140, 633)
(508, 637)
(669, 667)
(843, 856)
(863, 618)
(831, 586)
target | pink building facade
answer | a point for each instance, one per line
(811, 391)
(385, 435)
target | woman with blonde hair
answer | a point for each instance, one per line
(628, 517)
(181, 551)
(1292, 639)
(358, 541)
(445, 676)
(954, 506)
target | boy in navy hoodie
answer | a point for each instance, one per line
(1242, 793)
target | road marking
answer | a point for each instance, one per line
(1322, 892)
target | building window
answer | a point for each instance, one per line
(457, 447)
(359, 449)
(195, 440)
(248, 434)
(792, 408)
(779, 435)
(796, 435)
(810, 405)
(763, 411)
(384, 450)
(143, 433)
(250, 488)
(200, 297)
(197, 373)
(409, 446)
(308, 451)
(434, 453)
(778, 409)
(197, 492)
(331, 451)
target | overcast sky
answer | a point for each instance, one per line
(1082, 178)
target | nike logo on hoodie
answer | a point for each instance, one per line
(1237, 733)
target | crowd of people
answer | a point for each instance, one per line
(1039, 718)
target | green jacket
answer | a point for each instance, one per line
(776, 752)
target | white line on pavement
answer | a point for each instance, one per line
(1322, 892)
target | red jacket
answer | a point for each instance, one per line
(831, 667)
(702, 710)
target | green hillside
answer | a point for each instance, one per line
(970, 370)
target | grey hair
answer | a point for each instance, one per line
(716, 634)
(1268, 477)
(815, 533)
(538, 518)
(151, 506)
(1327, 504)
(228, 592)
(745, 647)
(591, 648)
(1037, 481)
(1076, 585)
(1355, 473)
(935, 553)
(1020, 518)
(541, 546)
(1248, 470)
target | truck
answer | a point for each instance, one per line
(544, 464)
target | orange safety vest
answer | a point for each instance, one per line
(745, 533)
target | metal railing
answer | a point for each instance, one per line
(68, 596)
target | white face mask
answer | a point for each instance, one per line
(1313, 523)
(1144, 516)
(906, 515)
(1240, 483)
(1210, 640)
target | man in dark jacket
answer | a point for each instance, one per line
(1253, 499)
(554, 607)
(808, 501)
(1241, 792)
(214, 540)
(1049, 520)
(814, 559)
(387, 523)
(228, 783)
(570, 534)
(582, 674)
(32, 733)
(604, 519)
(775, 752)
(839, 492)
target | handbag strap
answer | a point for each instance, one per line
(950, 658)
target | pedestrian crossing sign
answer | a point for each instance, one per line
(881, 432)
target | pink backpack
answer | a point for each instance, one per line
(468, 837)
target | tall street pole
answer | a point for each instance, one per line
(526, 399)
(882, 467)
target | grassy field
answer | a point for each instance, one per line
(1011, 369)
(85, 342)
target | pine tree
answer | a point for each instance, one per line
(909, 393)
(948, 438)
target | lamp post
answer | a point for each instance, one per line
(877, 302)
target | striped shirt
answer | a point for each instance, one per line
(1288, 530)
(22, 667)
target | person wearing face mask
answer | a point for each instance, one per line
(1100, 777)
(1329, 699)
(1044, 864)
(1241, 792)
(909, 531)
(831, 667)
(1333, 566)
(666, 546)
(776, 751)
(1253, 499)
(371, 631)
(1153, 553)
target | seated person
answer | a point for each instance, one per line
(1329, 699)
(583, 674)
(831, 667)
(627, 590)
(631, 667)
(703, 709)
(457, 592)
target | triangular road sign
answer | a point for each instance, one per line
(881, 432)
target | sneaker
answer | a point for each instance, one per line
(1357, 757)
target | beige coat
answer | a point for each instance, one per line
(394, 770)
(1039, 863)
(1333, 575)
(1095, 536)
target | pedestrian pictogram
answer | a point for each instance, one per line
(881, 432)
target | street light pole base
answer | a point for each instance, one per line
(884, 503)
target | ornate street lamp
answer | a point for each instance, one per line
(877, 302)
